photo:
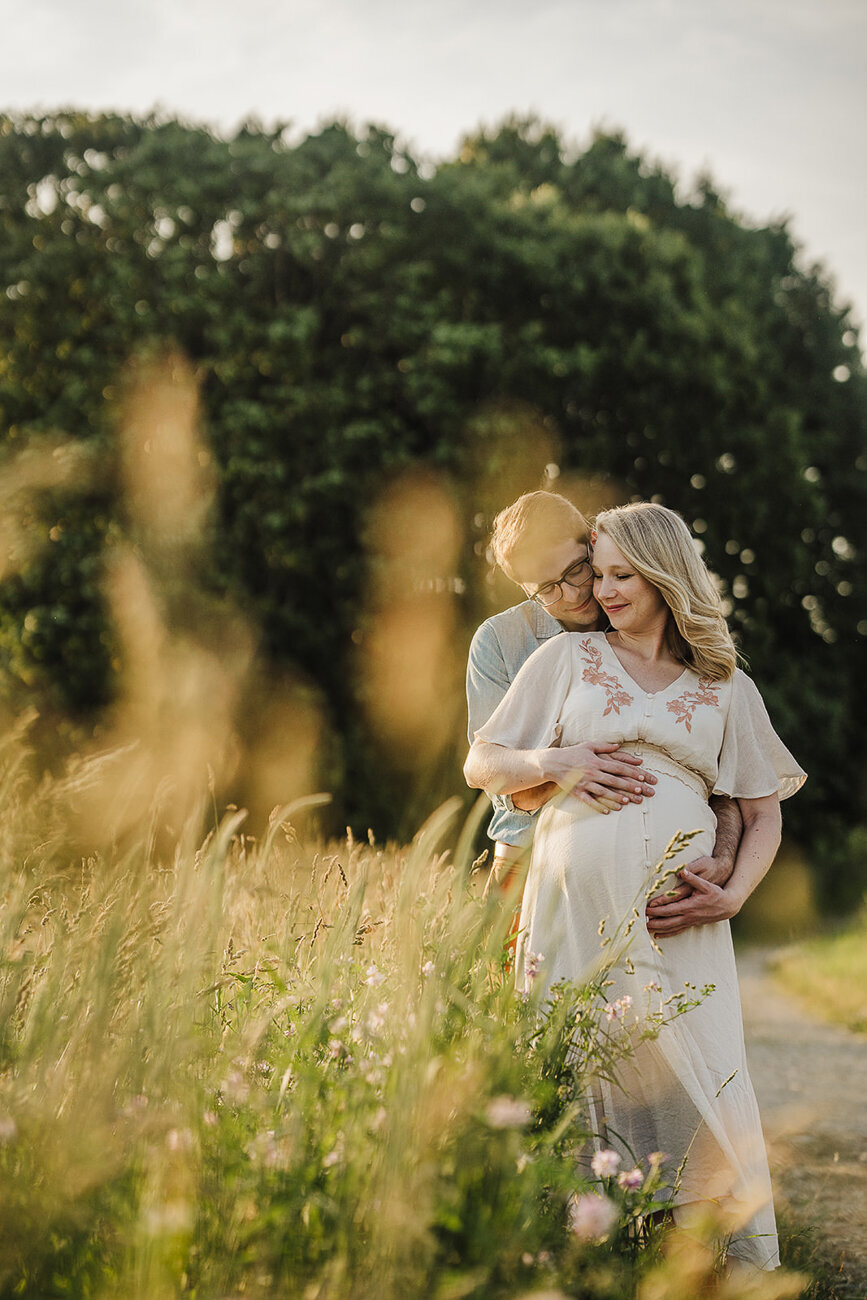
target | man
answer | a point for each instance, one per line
(542, 543)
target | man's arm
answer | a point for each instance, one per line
(487, 683)
(536, 797)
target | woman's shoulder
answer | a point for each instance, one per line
(559, 651)
(744, 686)
(582, 640)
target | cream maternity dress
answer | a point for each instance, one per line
(698, 737)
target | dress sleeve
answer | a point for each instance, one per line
(753, 761)
(529, 715)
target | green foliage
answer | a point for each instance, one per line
(350, 315)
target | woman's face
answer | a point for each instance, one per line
(630, 602)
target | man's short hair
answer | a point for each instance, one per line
(532, 524)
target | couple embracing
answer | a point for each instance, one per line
(607, 713)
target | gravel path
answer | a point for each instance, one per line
(811, 1082)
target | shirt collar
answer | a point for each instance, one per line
(543, 625)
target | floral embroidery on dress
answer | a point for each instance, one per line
(595, 674)
(685, 705)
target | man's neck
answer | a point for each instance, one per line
(599, 624)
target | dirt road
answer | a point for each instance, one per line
(811, 1081)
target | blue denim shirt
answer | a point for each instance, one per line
(498, 649)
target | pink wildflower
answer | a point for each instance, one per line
(630, 1179)
(592, 1217)
(508, 1112)
(604, 1163)
(615, 1010)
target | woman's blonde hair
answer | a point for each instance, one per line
(659, 546)
(534, 522)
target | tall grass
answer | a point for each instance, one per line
(293, 1069)
(276, 1067)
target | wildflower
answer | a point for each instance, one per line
(653, 987)
(604, 1163)
(209, 1118)
(179, 1139)
(8, 1130)
(656, 1158)
(508, 1112)
(169, 1218)
(338, 1025)
(263, 1149)
(373, 975)
(335, 1048)
(615, 1010)
(335, 1155)
(428, 969)
(235, 1086)
(630, 1179)
(591, 1217)
(378, 1120)
(532, 962)
(376, 1019)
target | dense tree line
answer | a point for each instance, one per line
(351, 315)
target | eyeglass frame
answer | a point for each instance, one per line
(558, 584)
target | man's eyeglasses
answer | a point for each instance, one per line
(578, 576)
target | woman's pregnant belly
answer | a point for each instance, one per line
(589, 867)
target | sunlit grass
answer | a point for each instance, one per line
(274, 1068)
(829, 974)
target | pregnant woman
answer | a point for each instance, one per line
(663, 682)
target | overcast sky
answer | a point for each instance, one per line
(769, 95)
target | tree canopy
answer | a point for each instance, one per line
(355, 319)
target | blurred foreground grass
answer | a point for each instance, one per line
(271, 1068)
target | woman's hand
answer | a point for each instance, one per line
(602, 776)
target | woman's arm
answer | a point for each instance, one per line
(709, 902)
(589, 771)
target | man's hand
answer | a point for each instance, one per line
(714, 870)
(698, 900)
(602, 776)
(535, 797)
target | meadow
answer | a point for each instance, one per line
(279, 1067)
